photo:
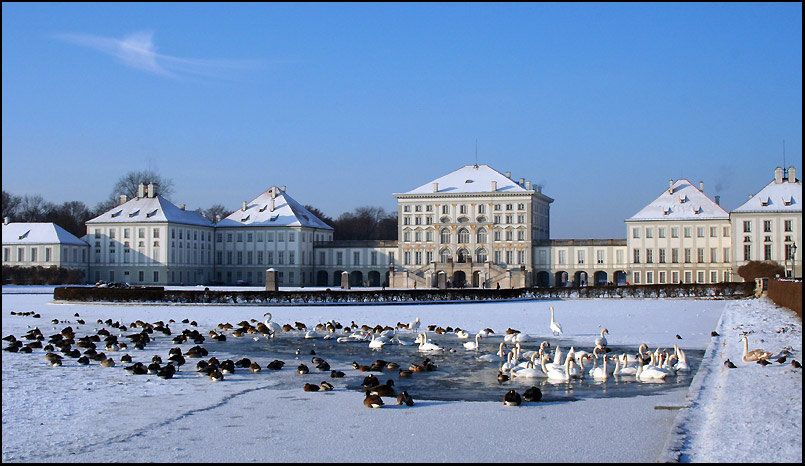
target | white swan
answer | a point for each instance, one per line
(473, 346)
(602, 340)
(556, 328)
(682, 360)
(530, 371)
(311, 334)
(463, 334)
(378, 341)
(397, 340)
(556, 374)
(626, 369)
(649, 373)
(414, 326)
(600, 372)
(425, 345)
(273, 326)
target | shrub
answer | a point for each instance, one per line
(757, 269)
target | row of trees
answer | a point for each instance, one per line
(365, 223)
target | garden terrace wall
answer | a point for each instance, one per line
(391, 296)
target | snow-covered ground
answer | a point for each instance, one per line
(78, 413)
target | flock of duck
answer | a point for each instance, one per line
(514, 362)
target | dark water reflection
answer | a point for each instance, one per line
(460, 375)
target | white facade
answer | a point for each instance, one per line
(150, 241)
(769, 224)
(43, 245)
(683, 236)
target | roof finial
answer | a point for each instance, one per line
(476, 152)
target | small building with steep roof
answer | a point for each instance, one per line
(43, 244)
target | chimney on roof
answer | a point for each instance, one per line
(670, 186)
(244, 206)
(5, 220)
(792, 174)
(151, 190)
(182, 206)
(701, 186)
(522, 181)
(217, 218)
(778, 175)
(539, 188)
(123, 199)
(509, 175)
(141, 190)
(528, 185)
(494, 185)
(282, 188)
(271, 206)
(718, 200)
(435, 187)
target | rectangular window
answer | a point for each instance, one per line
(281, 257)
(229, 257)
(600, 254)
(47, 254)
(726, 255)
(636, 256)
(240, 257)
(649, 277)
(33, 254)
(374, 257)
(687, 231)
(747, 226)
(562, 257)
(674, 277)
(418, 258)
(291, 237)
(767, 226)
(713, 276)
(270, 257)
(747, 252)
(700, 255)
(788, 225)
(339, 258)
(700, 232)
(407, 257)
(661, 232)
(699, 277)
(674, 232)
(649, 256)
(662, 277)
(635, 232)
(726, 232)
(239, 236)
(249, 237)
(259, 257)
(249, 255)
(662, 256)
(767, 252)
(649, 232)
(687, 255)
(713, 232)
(580, 256)
(322, 258)
(637, 277)
(688, 277)
(291, 258)
(112, 233)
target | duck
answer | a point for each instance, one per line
(254, 367)
(383, 390)
(309, 387)
(602, 340)
(556, 328)
(372, 401)
(370, 381)
(502, 377)
(729, 364)
(405, 398)
(512, 398)
(473, 346)
(533, 394)
(326, 386)
(276, 365)
(336, 374)
(167, 371)
(216, 376)
(753, 355)
(302, 369)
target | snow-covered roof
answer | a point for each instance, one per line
(155, 209)
(471, 179)
(39, 233)
(684, 202)
(286, 212)
(777, 196)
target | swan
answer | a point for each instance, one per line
(556, 328)
(473, 346)
(557, 356)
(273, 326)
(463, 334)
(425, 345)
(556, 374)
(753, 355)
(602, 340)
(486, 332)
(626, 369)
(600, 372)
(508, 365)
(378, 341)
(648, 373)
(520, 338)
(311, 334)
(530, 371)
(397, 340)
(682, 360)
(414, 326)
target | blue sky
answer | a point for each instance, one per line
(601, 104)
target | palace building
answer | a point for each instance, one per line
(473, 227)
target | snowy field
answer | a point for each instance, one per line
(90, 413)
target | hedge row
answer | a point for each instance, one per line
(160, 295)
(38, 275)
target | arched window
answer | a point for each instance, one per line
(444, 254)
(463, 236)
(480, 255)
(446, 236)
(481, 236)
(463, 255)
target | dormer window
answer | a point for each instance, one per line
(682, 199)
(788, 201)
(245, 218)
(697, 210)
(24, 235)
(262, 209)
(274, 217)
(666, 210)
(151, 214)
(765, 202)
(135, 213)
(468, 181)
(117, 213)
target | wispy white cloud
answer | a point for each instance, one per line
(137, 51)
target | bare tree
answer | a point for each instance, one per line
(11, 205)
(213, 212)
(34, 208)
(129, 183)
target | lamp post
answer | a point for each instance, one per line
(793, 260)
